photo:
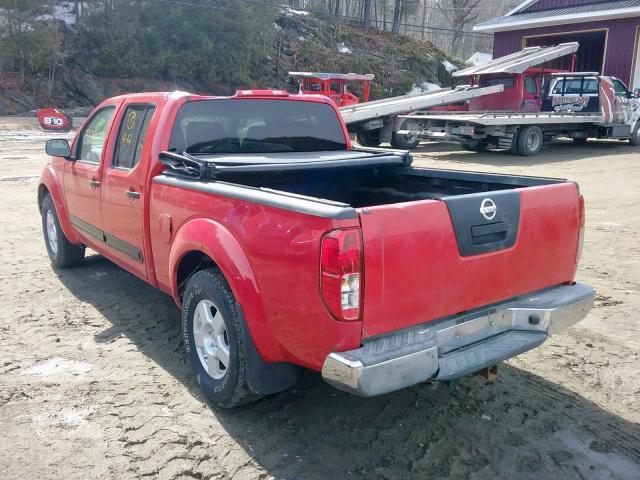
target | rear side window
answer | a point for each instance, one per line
(256, 126)
(133, 130)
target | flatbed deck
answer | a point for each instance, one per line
(509, 118)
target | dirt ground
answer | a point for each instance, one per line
(94, 384)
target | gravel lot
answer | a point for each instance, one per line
(94, 384)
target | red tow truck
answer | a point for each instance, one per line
(286, 247)
(380, 121)
(537, 104)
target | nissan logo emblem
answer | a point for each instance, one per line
(488, 209)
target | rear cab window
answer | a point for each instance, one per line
(132, 134)
(243, 126)
(505, 81)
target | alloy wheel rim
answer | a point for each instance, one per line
(52, 237)
(211, 339)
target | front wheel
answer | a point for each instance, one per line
(62, 253)
(368, 138)
(635, 136)
(214, 339)
(530, 141)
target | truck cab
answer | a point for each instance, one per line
(523, 92)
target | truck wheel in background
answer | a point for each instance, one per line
(635, 137)
(404, 142)
(214, 339)
(475, 146)
(62, 253)
(368, 138)
(530, 141)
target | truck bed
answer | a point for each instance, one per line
(383, 185)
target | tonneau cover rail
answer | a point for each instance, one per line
(185, 165)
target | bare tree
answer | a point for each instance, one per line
(366, 13)
(397, 16)
(459, 14)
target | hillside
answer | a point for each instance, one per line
(106, 56)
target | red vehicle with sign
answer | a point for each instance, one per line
(54, 119)
(286, 247)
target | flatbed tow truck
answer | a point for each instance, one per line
(378, 121)
(536, 105)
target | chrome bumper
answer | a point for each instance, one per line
(456, 346)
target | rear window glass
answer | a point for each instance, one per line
(256, 126)
(506, 81)
(576, 86)
(530, 85)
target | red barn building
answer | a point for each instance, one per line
(608, 32)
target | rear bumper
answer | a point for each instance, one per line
(456, 346)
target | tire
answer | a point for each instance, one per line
(404, 142)
(62, 253)
(580, 140)
(368, 138)
(215, 339)
(530, 141)
(635, 137)
(475, 146)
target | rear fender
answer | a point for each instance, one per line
(217, 242)
(50, 181)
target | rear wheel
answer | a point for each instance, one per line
(405, 142)
(368, 138)
(215, 339)
(635, 136)
(530, 141)
(62, 253)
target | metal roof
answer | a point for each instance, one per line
(334, 76)
(578, 13)
(518, 62)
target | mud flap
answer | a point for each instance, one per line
(265, 378)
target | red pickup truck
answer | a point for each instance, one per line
(286, 247)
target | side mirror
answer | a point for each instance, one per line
(58, 147)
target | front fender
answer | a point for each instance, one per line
(218, 243)
(50, 180)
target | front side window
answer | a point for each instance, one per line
(256, 126)
(620, 88)
(133, 130)
(530, 85)
(91, 141)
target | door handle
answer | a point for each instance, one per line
(133, 195)
(93, 183)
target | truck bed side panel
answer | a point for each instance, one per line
(414, 271)
(283, 250)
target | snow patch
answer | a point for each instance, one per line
(289, 12)
(62, 11)
(479, 58)
(58, 365)
(342, 48)
(276, 26)
(423, 87)
(448, 66)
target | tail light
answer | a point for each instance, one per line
(341, 273)
(581, 231)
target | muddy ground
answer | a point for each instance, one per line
(94, 384)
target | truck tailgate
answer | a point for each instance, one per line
(429, 259)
